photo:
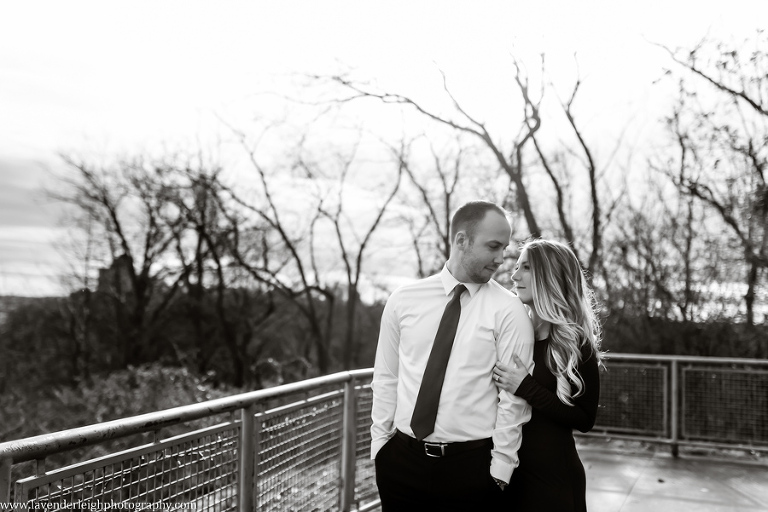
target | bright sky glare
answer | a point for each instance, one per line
(79, 75)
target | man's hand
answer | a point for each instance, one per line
(501, 483)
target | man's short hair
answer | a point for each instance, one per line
(469, 215)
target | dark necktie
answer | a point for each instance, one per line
(425, 410)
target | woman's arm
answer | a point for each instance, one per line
(580, 416)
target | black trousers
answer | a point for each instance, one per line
(409, 480)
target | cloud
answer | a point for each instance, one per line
(23, 200)
(29, 262)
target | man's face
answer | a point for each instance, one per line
(484, 253)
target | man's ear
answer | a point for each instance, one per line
(460, 240)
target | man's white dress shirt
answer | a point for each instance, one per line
(493, 325)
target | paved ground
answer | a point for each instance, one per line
(633, 481)
(636, 477)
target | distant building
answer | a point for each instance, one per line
(116, 280)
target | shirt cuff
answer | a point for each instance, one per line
(500, 470)
(378, 444)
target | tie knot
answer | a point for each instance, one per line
(457, 291)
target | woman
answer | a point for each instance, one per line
(564, 388)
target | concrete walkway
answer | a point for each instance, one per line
(657, 482)
(632, 477)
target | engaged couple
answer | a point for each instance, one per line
(476, 389)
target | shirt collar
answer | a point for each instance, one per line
(450, 282)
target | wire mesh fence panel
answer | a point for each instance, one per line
(633, 398)
(299, 441)
(365, 473)
(299, 458)
(198, 470)
(725, 404)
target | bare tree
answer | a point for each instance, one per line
(435, 193)
(513, 164)
(214, 282)
(352, 255)
(591, 167)
(511, 155)
(720, 131)
(79, 248)
(664, 259)
(272, 254)
(127, 204)
(559, 162)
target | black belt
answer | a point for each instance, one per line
(443, 449)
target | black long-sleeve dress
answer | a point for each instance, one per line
(551, 476)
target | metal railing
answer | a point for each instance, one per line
(305, 446)
(685, 400)
(301, 446)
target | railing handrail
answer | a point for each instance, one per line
(685, 359)
(46, 444)
(32, 448)
(241, 448)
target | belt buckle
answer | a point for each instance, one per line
(427, 446)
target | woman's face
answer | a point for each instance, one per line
(522, 279)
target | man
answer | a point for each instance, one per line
(443, 437)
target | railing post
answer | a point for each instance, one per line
(348, 446)
(246, 492)
(257, 408)
(5, 480)
(674, 402)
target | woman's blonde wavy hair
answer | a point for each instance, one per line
(562, 297)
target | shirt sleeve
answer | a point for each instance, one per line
(385, 372)
(515, 337)
(581, 415)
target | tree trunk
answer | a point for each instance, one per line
(349, 341)
(749, 298)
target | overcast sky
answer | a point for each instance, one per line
(119, 76)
